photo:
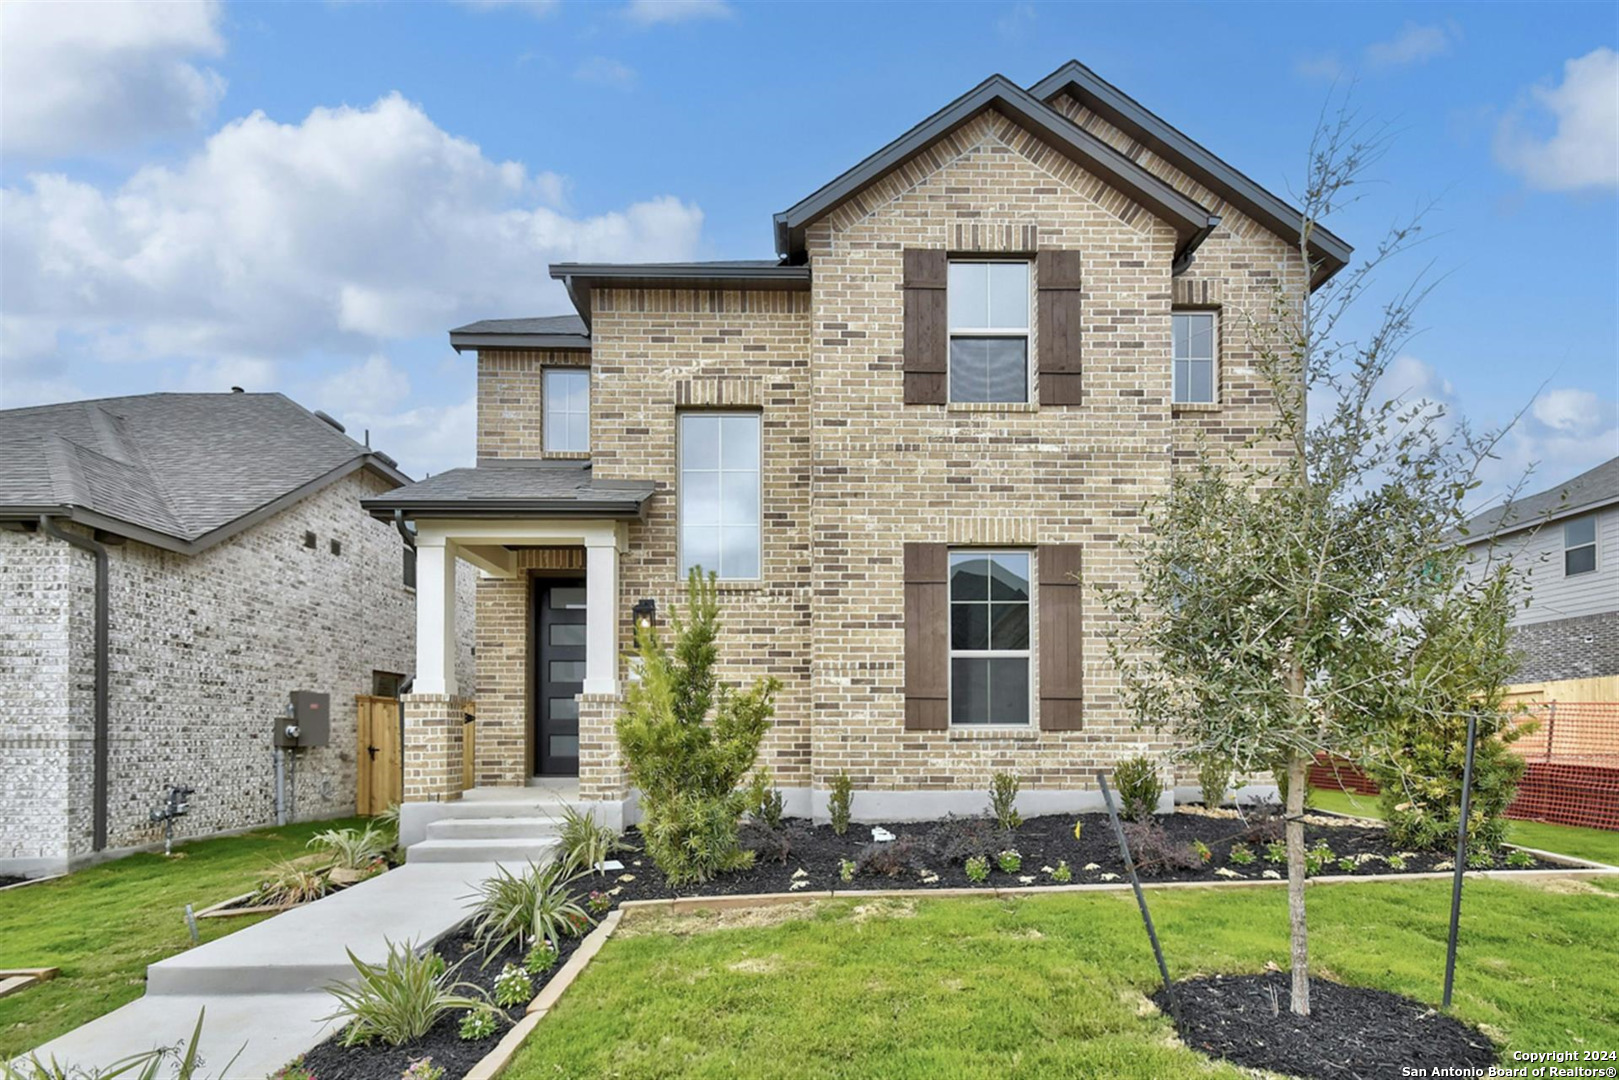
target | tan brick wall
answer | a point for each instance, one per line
(504, 750)
(511, 400)
(434, 729)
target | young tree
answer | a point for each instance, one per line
(1288, 588)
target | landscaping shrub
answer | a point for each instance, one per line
(1003, 788)
(1422, 788)
(957, 839)
(352, 849)
(178, 1062)
(1063, 874)
(513, 986)
(400, 999)
(541, 958)
(764, 842)
(890, 858)
(841, 804)
(765, 803)
(1264, 823)
(1138, 786)
(582, 844)
(291, 884)
(1010, 861)
(1213, 778)
(977, 869)
(686, 765)
(1155, 852)
(477, 1024)
(532, 906)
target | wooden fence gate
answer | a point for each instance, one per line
(381, 765)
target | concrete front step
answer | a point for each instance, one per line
(513, 852)
(492, 828)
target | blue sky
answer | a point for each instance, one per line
(304, 197)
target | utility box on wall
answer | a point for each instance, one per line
(308, 721)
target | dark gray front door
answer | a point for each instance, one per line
(561, 618)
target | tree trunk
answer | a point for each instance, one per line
(1297, 777)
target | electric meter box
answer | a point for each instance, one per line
(308, 721)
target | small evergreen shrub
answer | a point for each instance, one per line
(765, 803)
(1480, 858)
(841, 803)
(977, 870)
(763, 842)
(1139, 787)
(1213, 778)
(1003, 789)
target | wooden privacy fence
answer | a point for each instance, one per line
(380, 770)
(469, 743)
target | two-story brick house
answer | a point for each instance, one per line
(898, 445)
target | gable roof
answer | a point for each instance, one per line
(1123, 111)
(178, 471)
(1190, 220)
(1590, 490)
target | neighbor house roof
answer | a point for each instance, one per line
(1152, 131)
(516, 487)
(178, 471)
(1590, 490)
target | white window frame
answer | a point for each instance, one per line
(992, 654)
(1025, 331)
(1214, 355)
(546, 396)
(680, 474)
(1596, 552)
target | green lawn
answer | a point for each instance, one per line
(1050, 986)
(1598, 845)
(103, 925)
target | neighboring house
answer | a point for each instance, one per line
(1565, 542)
(979, 353)
(238, 567)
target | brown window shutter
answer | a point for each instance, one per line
(1061, 636)
(927, 345)
(1059, 331)
(927, 638)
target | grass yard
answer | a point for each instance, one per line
(1598, 845)
(104, 924)
(1051, 986)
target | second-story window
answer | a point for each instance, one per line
(719, 494)
(989, 331)
(1194, 357)
(567, 410)
(1579, 546)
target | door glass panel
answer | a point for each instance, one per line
(566, 746)
(571, 599)
(568, 634)
(567, 671)
(564, 708)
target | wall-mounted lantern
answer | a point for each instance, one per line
(645, 614)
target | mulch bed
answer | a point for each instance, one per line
(1352, 1033)
(1042, 842)
(7, 879)
(332, 1061)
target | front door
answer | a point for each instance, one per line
(561, 618)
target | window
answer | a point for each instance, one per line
(309, 541)
(990, 679)
(719, 494)
(1194, 357)
(988, 306)
(410, 567)
(336, 546)
(386, 683)
(567, 410)
(1579, 546)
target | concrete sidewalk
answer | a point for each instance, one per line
(263, 986)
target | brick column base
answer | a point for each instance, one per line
(434, 731)
(601, 768)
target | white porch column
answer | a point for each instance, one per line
(601, 612)
(435, 617)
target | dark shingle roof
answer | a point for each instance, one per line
(502, 488)
(1590, 489)
(543, 324)
(174, 468)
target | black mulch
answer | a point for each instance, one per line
(6, 879)
(1352, 1033)
(1041, 841)
(333, 1061)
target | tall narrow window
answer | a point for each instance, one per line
(989, 637)
(988, 306)
(1194, 357)
(719, 494)
(567, 409)
(1579, 546)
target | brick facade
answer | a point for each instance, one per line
(203, 652)
(1581, 648)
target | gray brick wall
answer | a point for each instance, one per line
(203, 652)
(1582, 648)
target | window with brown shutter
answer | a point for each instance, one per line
(1061, 614)
(926, 327)
(1058, 299)
(927, 642)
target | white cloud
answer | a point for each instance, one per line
(81, 79)
(1565, 432)
(1017, 20)
(1412, 45)
(373, 386)
(1576, 412)
(602, 71)
(1325, 67)
(652, 12)
(352, 227)
(1565, 137)
(256, 375)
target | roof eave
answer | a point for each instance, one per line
(555, 342)
(579, 279)
(622, 509)
(1499, 530)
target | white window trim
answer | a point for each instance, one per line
(680, 490)
(1031, 724)
(545, 405)
(1595, 545)
(1214, 356)
(1026, 331)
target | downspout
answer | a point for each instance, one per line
(99, 741)
(1183, 257)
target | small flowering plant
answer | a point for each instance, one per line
(599, 903)
(846, 870)
(513, 986)
(1242, 854)
(477, 1024)
(977, 870)
(296, 1070)
(1009, 861)
(541, 958)
(1062, 875)
(422, 1069)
